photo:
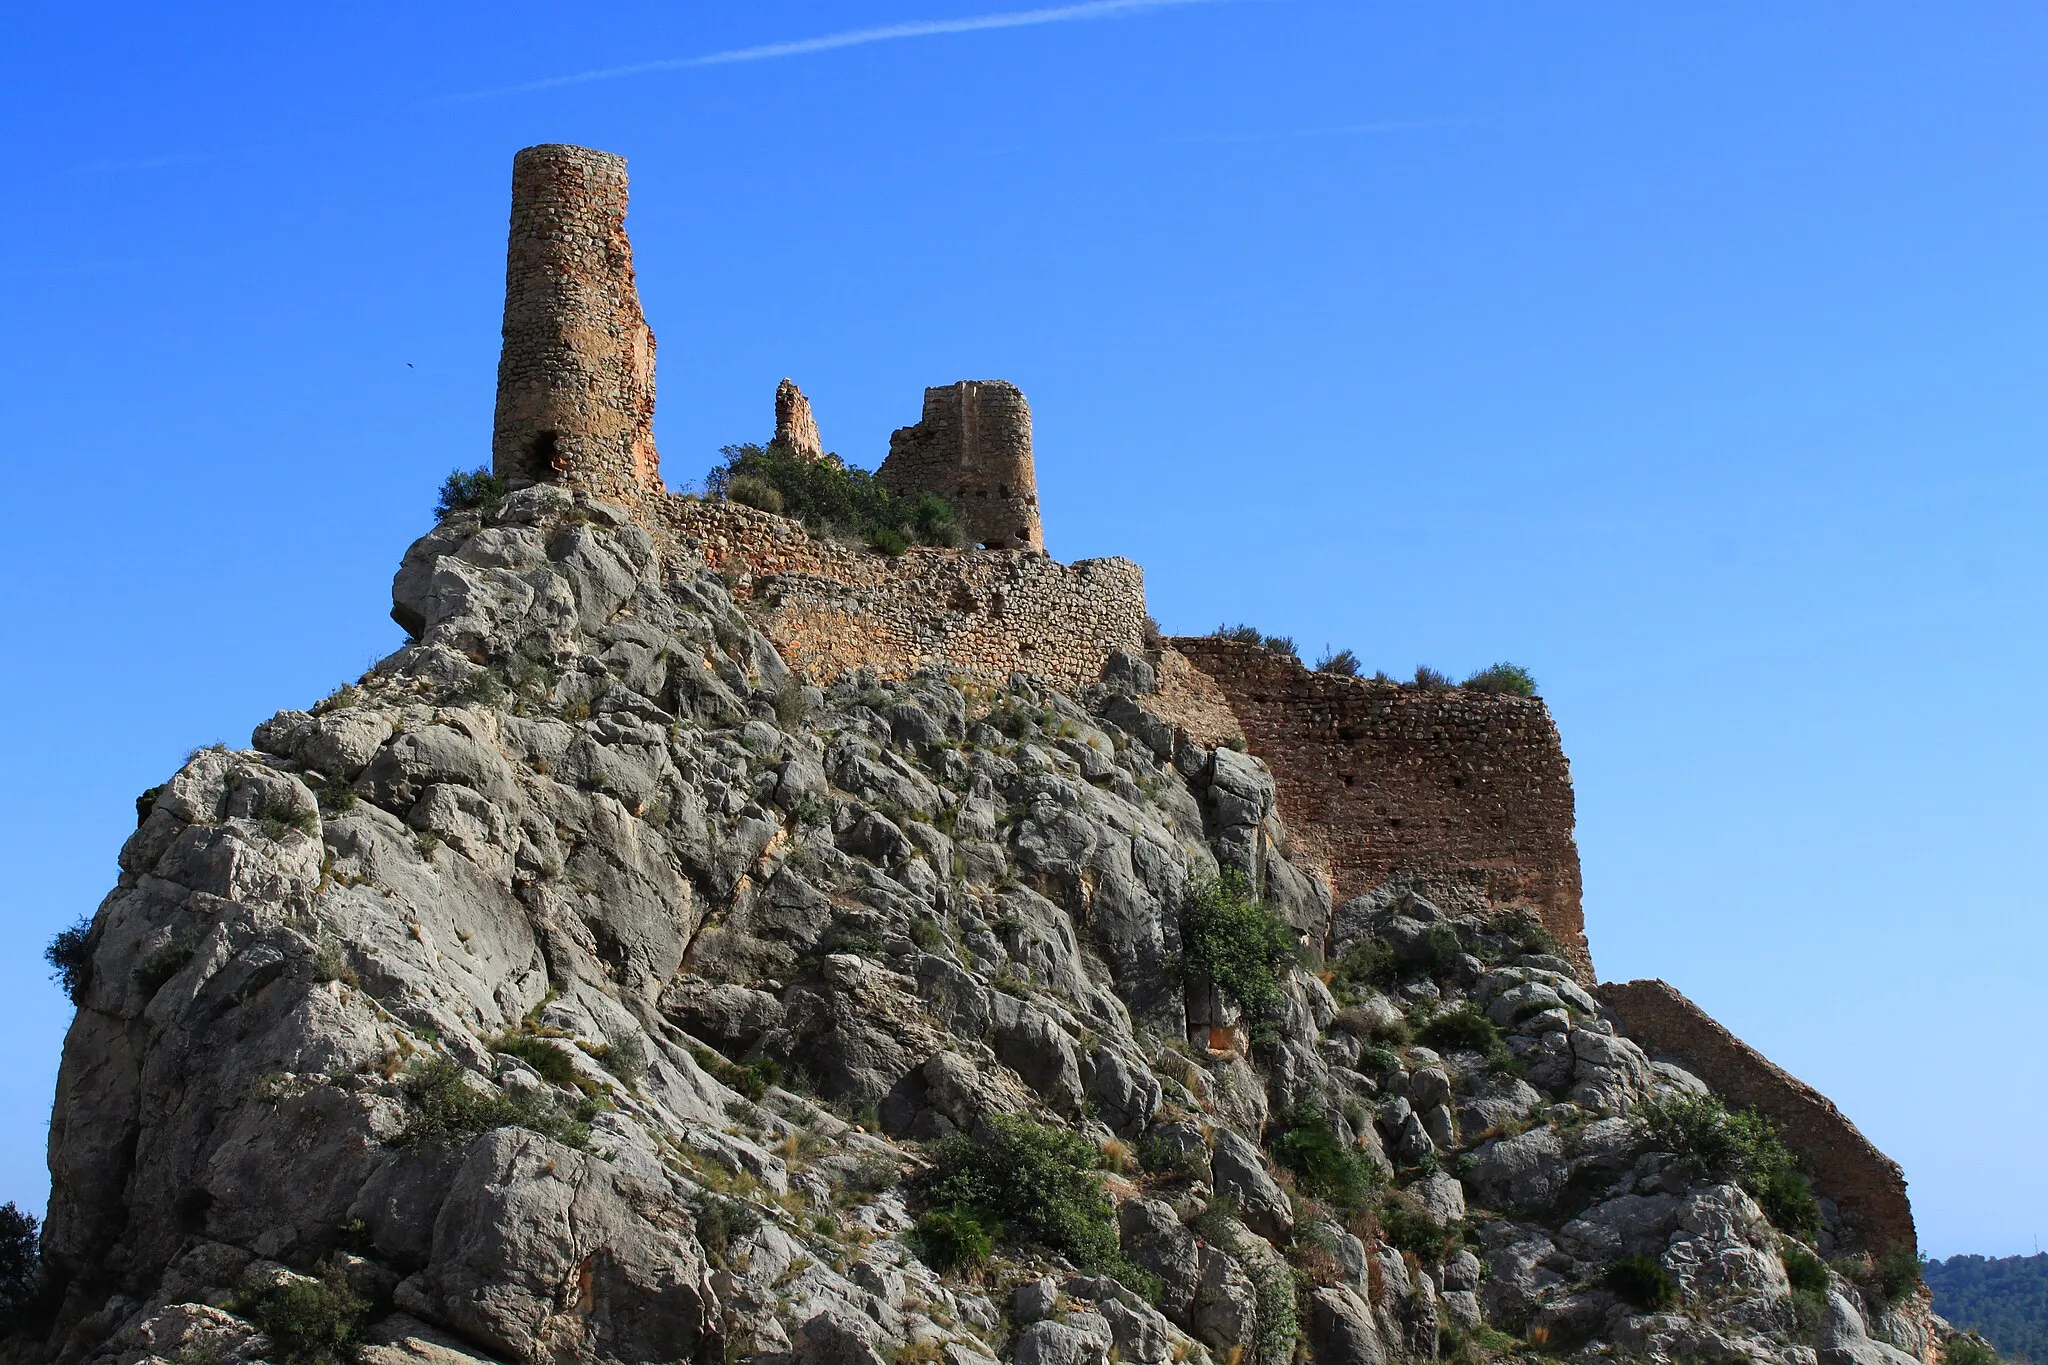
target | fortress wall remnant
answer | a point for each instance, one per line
(576, 375)
(795, 427)
(1865, 1184)
(832, 609)
(973, 448)
(1465, 795)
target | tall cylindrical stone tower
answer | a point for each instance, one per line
(576, 376)
(973, 448)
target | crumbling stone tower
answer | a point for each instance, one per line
(973, 448)
(576, 376)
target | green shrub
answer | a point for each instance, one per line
(1031, 1185)
(1521, 925)
(1233, 941)
(544, 1055)
(1511, 679)
(831, 499)
(1806, 1271)
(1429, 679)
(1343, 663)
(1464, 1029)
(626, 1059)
(1642, 1281)
(720, 1222)
(927, 934)
(1324, 1165)
(751, 1079)
(1894, 1274)
(1407, 1226)
(1968, 1349)
(70, 957)
(933, 521)
(479, 489)
(954, 1240)
(443, 1106)
(1158, 1157)
(1744, 1147)
(758, 494)
(309, 1322)
(1252, 635)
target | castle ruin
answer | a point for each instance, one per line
(972, 447)
(1459, 796)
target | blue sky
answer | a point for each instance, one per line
(1690, 355)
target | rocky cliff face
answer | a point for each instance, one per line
(580, 987)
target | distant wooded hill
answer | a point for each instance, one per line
(2005, 1298)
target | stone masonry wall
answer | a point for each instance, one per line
(973, 448)
(1467, 794)
(795, 426)
(576, 376)
(1865, 1184)
(832, 609)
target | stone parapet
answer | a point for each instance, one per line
(831, 609)
(1465, 795)
(576, 375)
(1866, 1185)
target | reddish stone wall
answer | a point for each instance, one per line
(1865, 1184)
(973, 448)
(1389, 781)
(576, 376)
(831, 609)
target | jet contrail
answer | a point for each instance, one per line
(916, 28)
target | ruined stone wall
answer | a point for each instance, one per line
(576, 376)
(973, 448)
(1865, 1184)
(795, 426)
(832, 609)
(1467, 794)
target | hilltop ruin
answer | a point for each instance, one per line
(708, 941)
(1388, 790)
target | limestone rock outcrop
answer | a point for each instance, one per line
(717, 956)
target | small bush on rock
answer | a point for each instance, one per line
(544, 1055)
(1342, 662)
(1029, 1184)
(1324, 1165)
(1464, 1029)
(70, 957)
(954, 1240)
(1743, 1147)
(443, 1105)
(309, 1322)
(1894, 1274)
(1229, 938)
(1429, 680)
(1968, 1349)
(1806, 1271)
(1508, 679)
(1642, 1281)
(478, 489)
(1407, 1226)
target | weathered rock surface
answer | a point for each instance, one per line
(718, 956)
